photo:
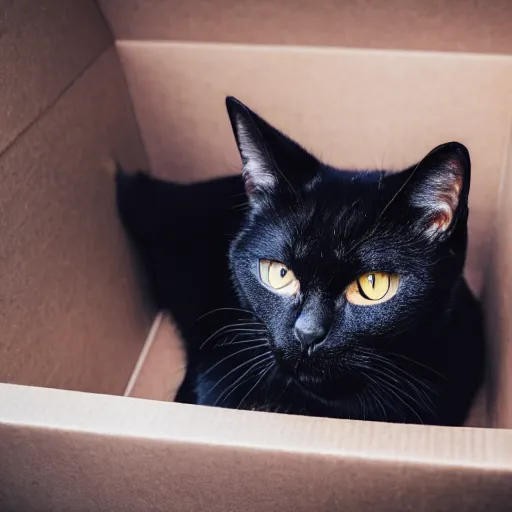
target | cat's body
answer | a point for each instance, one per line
(320, 347)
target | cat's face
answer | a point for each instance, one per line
(345, 267)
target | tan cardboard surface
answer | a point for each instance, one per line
(499, 306)
(444, 25)
(333, 101)
(75, 451)
(71, 309)
(161, 365)
(44, 46)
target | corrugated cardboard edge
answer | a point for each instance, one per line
(105, 415)
(141, 361)
(160, 368)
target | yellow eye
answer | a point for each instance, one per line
(372, 288)
(279, 277)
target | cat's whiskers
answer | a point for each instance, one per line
(257, 366)
(227, 329)
(241, 333)
(236, 368)
(283, 391)
(229, 356)
(375, 398)
(262, 375)
(421, 393)
(361, 404)
(394, 366)
(241, 206)
(246, 311)
(389, 403)
(428, 368)
(252, 372)
(426, 385)
(373, 394)
(401, 376)
(245, 342)
(398, 393)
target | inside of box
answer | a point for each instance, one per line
(354, 108)
(354, 97)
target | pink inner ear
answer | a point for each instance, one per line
(447, 197)
(442, 221)
(249, 186)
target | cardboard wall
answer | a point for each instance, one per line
(44, 46)
(77, 451)
(498, 300)
(71, 310)
(434, 25)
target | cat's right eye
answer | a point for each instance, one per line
(278, 277)
(372, 288)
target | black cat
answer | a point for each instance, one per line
(305, 289)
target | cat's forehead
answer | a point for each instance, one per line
(327, 219)
(328, 228)
(338, 210)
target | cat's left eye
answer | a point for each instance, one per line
(372, 288)
(278, 277)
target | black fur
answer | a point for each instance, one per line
(415, 358)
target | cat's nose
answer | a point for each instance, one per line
(310, 332)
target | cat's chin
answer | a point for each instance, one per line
(328, 390)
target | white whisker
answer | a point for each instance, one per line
(239, 367)
(232, 355)
(240, 381)
(265, 371)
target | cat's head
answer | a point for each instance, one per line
(344, 267)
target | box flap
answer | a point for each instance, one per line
(44, 46)
(67, 451)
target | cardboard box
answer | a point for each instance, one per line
(362, 84)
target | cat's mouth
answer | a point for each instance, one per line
(328, 390)
(321, 380)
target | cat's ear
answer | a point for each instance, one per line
(439, 188)
(271, 160)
